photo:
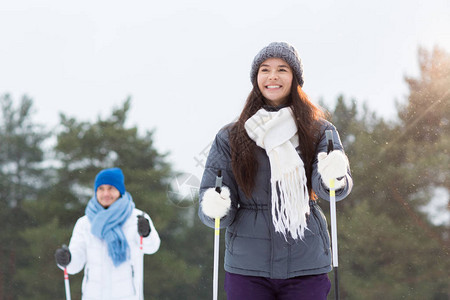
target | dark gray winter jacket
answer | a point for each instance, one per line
(252, 246)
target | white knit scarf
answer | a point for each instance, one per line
(276, 132)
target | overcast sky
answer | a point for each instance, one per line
(186, 63)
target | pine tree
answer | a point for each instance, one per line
(388, 247)
(21, 178)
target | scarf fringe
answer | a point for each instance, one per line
(290, 203)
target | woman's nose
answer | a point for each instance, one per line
(273, 75)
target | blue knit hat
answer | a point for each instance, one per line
(113, 176)
(282, 50)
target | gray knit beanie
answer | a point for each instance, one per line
(281, 50)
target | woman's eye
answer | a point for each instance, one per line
(264, 70)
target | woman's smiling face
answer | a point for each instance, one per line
(275, 80)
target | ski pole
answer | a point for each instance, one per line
(334, 244)
(142, 255)
(66, 278)
(216, 240)
(141, 240)
(66, 283)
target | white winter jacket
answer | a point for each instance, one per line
(102, 280)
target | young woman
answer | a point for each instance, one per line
(274, 166)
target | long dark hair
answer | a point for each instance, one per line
(307, 116)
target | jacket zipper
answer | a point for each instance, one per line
(132, 279)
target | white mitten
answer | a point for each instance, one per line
(331, 166)
(215, 205)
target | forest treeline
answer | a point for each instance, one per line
(389, 247)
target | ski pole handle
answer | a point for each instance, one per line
(329, 135)
(219, 181)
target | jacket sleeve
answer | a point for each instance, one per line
(77, 246)
(317, 184)
(219, 158)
